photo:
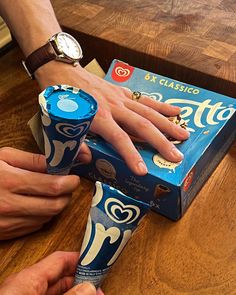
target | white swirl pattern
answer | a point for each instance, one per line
(154, 95)
(98, 194)
(130, 212)
(70, 130)
(122, 72)
(60, 148)
(87, 235)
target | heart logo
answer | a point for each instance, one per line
(121, 72)
(121, 213)
(70, 130)
(154, 95)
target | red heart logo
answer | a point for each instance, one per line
(188, 180)
(121, 72)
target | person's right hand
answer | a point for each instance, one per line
(28, 196)
(53, 275)
(85, 288)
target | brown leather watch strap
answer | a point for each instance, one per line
(38, 58)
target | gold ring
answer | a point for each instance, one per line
(136, 95)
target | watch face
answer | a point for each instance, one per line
(69, 46)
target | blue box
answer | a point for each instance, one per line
(168, 187)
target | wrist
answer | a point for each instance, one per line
(55, 72)
(40, 39)
(60, 47)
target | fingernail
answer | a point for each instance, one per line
(99, 291)
(178, 109)
(142, 168)
(85, 288)
(177, 154)
(183, 132)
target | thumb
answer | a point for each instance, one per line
(82, 289)
(84, 154)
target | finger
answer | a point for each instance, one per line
(99, 292)
(161, 122)
(19, 233)
(161, 107)
(56, 266)
(24, 160)
(85, 155)
(112, 133)
(85, 288)
(144, 129)
(61, 286)
(17, 205)
(12, 223)
(34, 183)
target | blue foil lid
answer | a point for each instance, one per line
(67, 102)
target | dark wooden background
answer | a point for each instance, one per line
(191, 41)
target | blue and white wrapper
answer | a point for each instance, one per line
(112, 219)
(66, 113)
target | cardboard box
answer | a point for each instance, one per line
(168, 187)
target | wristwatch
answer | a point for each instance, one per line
(61, 47)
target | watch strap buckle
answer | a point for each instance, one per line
(27, 70)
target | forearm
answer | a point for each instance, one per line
(32, 22)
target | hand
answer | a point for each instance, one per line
(53, 275)
(84, 289)
(118, 113)
(28, 196)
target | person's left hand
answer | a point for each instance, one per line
(53, 275)
(119, 116)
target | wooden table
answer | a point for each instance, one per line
(195, 255)
(191, 41)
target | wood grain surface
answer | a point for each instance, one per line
(196, 255)
(191, 41)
